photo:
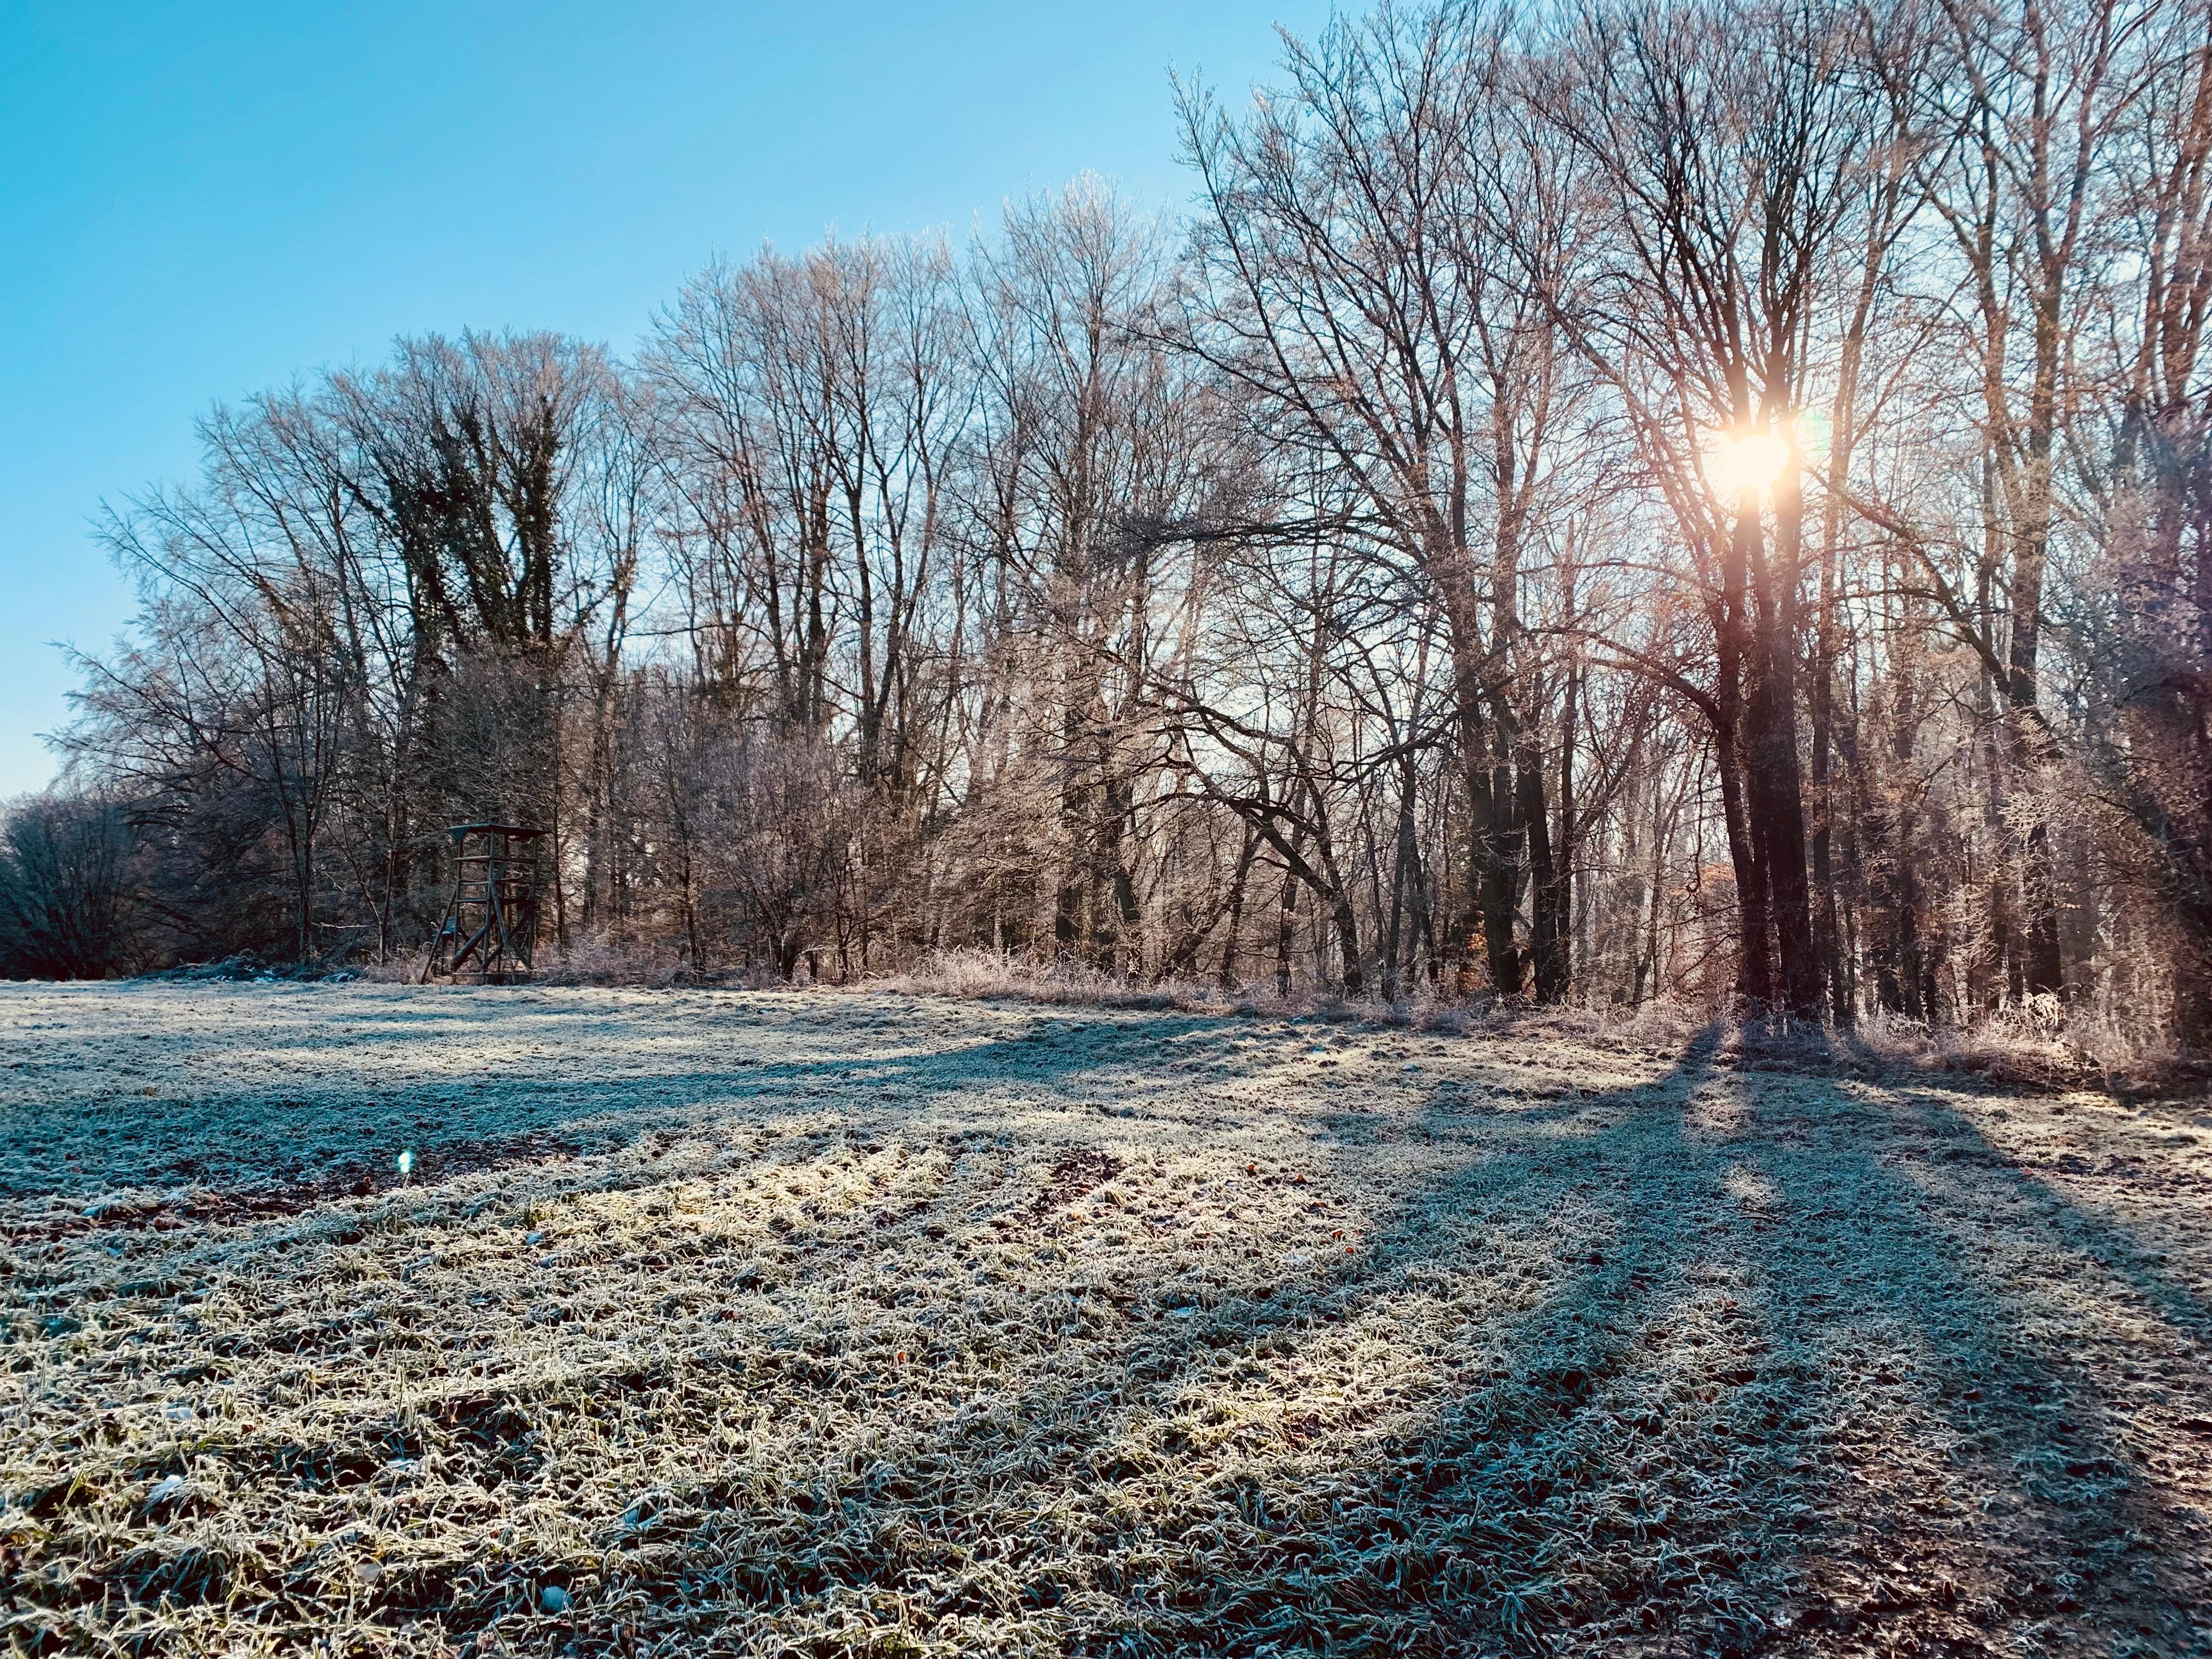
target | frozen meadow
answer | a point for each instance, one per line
(721, 1322)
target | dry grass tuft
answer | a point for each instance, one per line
(985, 976)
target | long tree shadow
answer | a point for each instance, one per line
(1926, 1394)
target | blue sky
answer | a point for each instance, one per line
(199, 201)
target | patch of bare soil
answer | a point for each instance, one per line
(1076, 1173)
(715, 1323)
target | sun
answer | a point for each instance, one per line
(1749, 463)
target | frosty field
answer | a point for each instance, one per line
(721, 1322)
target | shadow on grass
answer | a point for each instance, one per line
(222, 1137)
(1636, 1455)
(1729, 1387)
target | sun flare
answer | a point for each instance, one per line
(1749, 463)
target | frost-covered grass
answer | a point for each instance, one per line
(728, 1323)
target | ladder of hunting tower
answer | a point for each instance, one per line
(490, 929)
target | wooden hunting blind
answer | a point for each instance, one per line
(490, 929)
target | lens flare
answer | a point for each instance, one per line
(1813, 434)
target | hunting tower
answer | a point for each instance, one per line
(490, 929)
